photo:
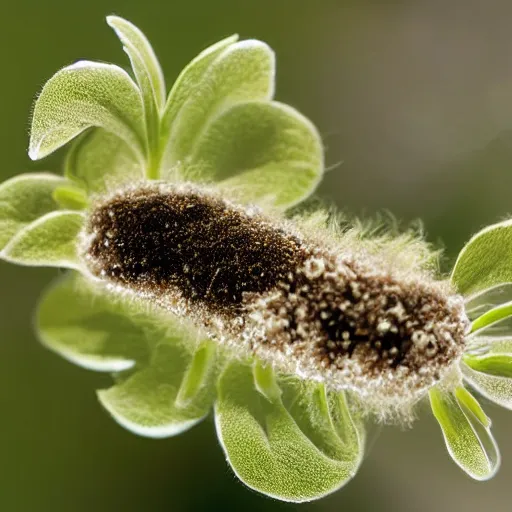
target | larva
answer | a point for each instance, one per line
(342, 317)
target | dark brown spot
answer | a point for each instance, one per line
(189, 241)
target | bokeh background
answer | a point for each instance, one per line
(414, 101)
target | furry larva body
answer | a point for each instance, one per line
(343, 317)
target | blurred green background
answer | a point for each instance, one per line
(414, 101)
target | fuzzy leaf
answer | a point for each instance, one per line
(492, 363)
(148, 74)
(25, 198)
(50, 241)
(199, 373)
(90, 328)
(492, 316)
(70, 197)
(82, 95)
(189, 80)
(466, 431)
(272, 449)
(170, 395)
(166, 379)
(145, 65)
(488, 299)
(99, 160)
(493, 337)
(490, 372)
(264, 151)
(485, 261)
(244, 71)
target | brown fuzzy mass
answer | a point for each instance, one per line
(191, 242)
(349, 321)
(362, 326)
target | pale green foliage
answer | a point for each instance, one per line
(190, 81)
(243, 72)
(24, 199)
(264, 151)
(488, 364)
(485, 261)
(296, 447)
(466, 432)
(82, 95)
(491, 376)
(70, 197)
(166, 383)
(496, 296)
(48, 241)
(492, 316)
(164, 398)
(217, 121)
(99, 160)
(145, 65)
(150, 79)
(89, 328)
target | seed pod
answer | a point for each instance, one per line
(341, 316)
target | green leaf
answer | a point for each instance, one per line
(145, 65)
(488, 299)
(265, 382)
(70, 197)
(498, 327)
(170, 395)
(189, 81)
(299, 453)
(82, 95)
(198, 374)
(492, 316)
(24, 199)
(167, 375)
(99, 160)
(466, 431)
(148, 74)
(89, 328)
(490, 372)
(485, 261)
(491, 363)
(263, 151)
(50, 241)
(243, 71)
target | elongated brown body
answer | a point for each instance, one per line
(263, 288)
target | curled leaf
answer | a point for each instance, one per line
(491, 373)
(145, 65)
(492, 316)
(86, 326)
(243, 71)
(164, 375)
(50, 241)
(148, 73)
(70, 197)
(264, 151)
(485, 260)
(98, 160)
(466, 431)
(82, 95)
(168, 396)
(298, 453)
(488, 299)
(190, 79)
(25, 198)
